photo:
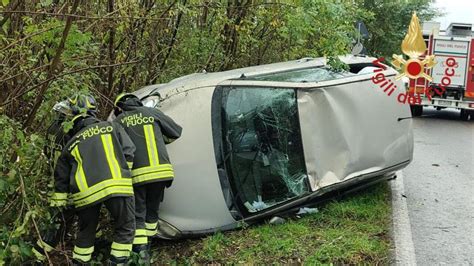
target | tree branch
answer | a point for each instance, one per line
(65, 74)
(52, 68)
(172, 41)
(29, 36)
(74, 16)
(9, 13)
(110, 74)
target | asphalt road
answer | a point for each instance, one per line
(439, 187)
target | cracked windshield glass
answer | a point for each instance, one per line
(263, 146)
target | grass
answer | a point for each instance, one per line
(354, 230)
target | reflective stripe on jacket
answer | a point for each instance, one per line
(150, 130)
(94, 164)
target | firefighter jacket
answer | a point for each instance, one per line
(149, 129)
(94, 164)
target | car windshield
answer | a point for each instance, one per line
(304, 75)
(262, 146)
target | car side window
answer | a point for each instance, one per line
(262, 146)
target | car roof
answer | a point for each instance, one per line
(207, 79)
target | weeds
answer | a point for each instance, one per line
(353, 230)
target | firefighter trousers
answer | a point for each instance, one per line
(147, 203)
(121, 210)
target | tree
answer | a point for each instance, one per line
(387, 22)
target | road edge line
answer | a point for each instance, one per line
(404, 247)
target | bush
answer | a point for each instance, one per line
(23, 189)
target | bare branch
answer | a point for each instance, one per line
(65, 74)
(79, 16)
(52, 68)
(172, 40)
(29, 36)
(110, 74)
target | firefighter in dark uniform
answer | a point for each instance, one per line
(56, 139)
(150, 130)
(94, 167)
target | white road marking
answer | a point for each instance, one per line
(404, 247)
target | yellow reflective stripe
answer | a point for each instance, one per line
(83, 258)
(58, 199)
(153, 176)
(79, 176)
(151, 145)
(83, 254)
(151, 232)
(104, 193)
(120, 250)
(58, 203)
(140, 240)
(151, 229)
(38, 255)
(119, 246)
(140, 232)
(110, 155)
(151, 226)
(130, 165)
(59, 196)
(120, 96)
(83, 251)
(140, 237)
(120, 253)
(123, 182)
(77, 116)
(152, 169)
(44, 245)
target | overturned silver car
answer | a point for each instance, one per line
(267, 139)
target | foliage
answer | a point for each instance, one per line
(22, 185)
(349, 232)
(121, 45)
(387, 22)
(336, 64)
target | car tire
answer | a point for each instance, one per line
(464, 114)
(416, 110)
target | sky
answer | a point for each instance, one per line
(456, 11)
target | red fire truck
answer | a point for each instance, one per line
(453, 75)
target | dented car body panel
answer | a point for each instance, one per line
(262, 140)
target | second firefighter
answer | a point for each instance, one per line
(150, 130)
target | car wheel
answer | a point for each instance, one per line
(464, 114)
(416, 110)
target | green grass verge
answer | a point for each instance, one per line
(353, 230)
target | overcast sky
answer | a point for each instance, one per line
(456, 11)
